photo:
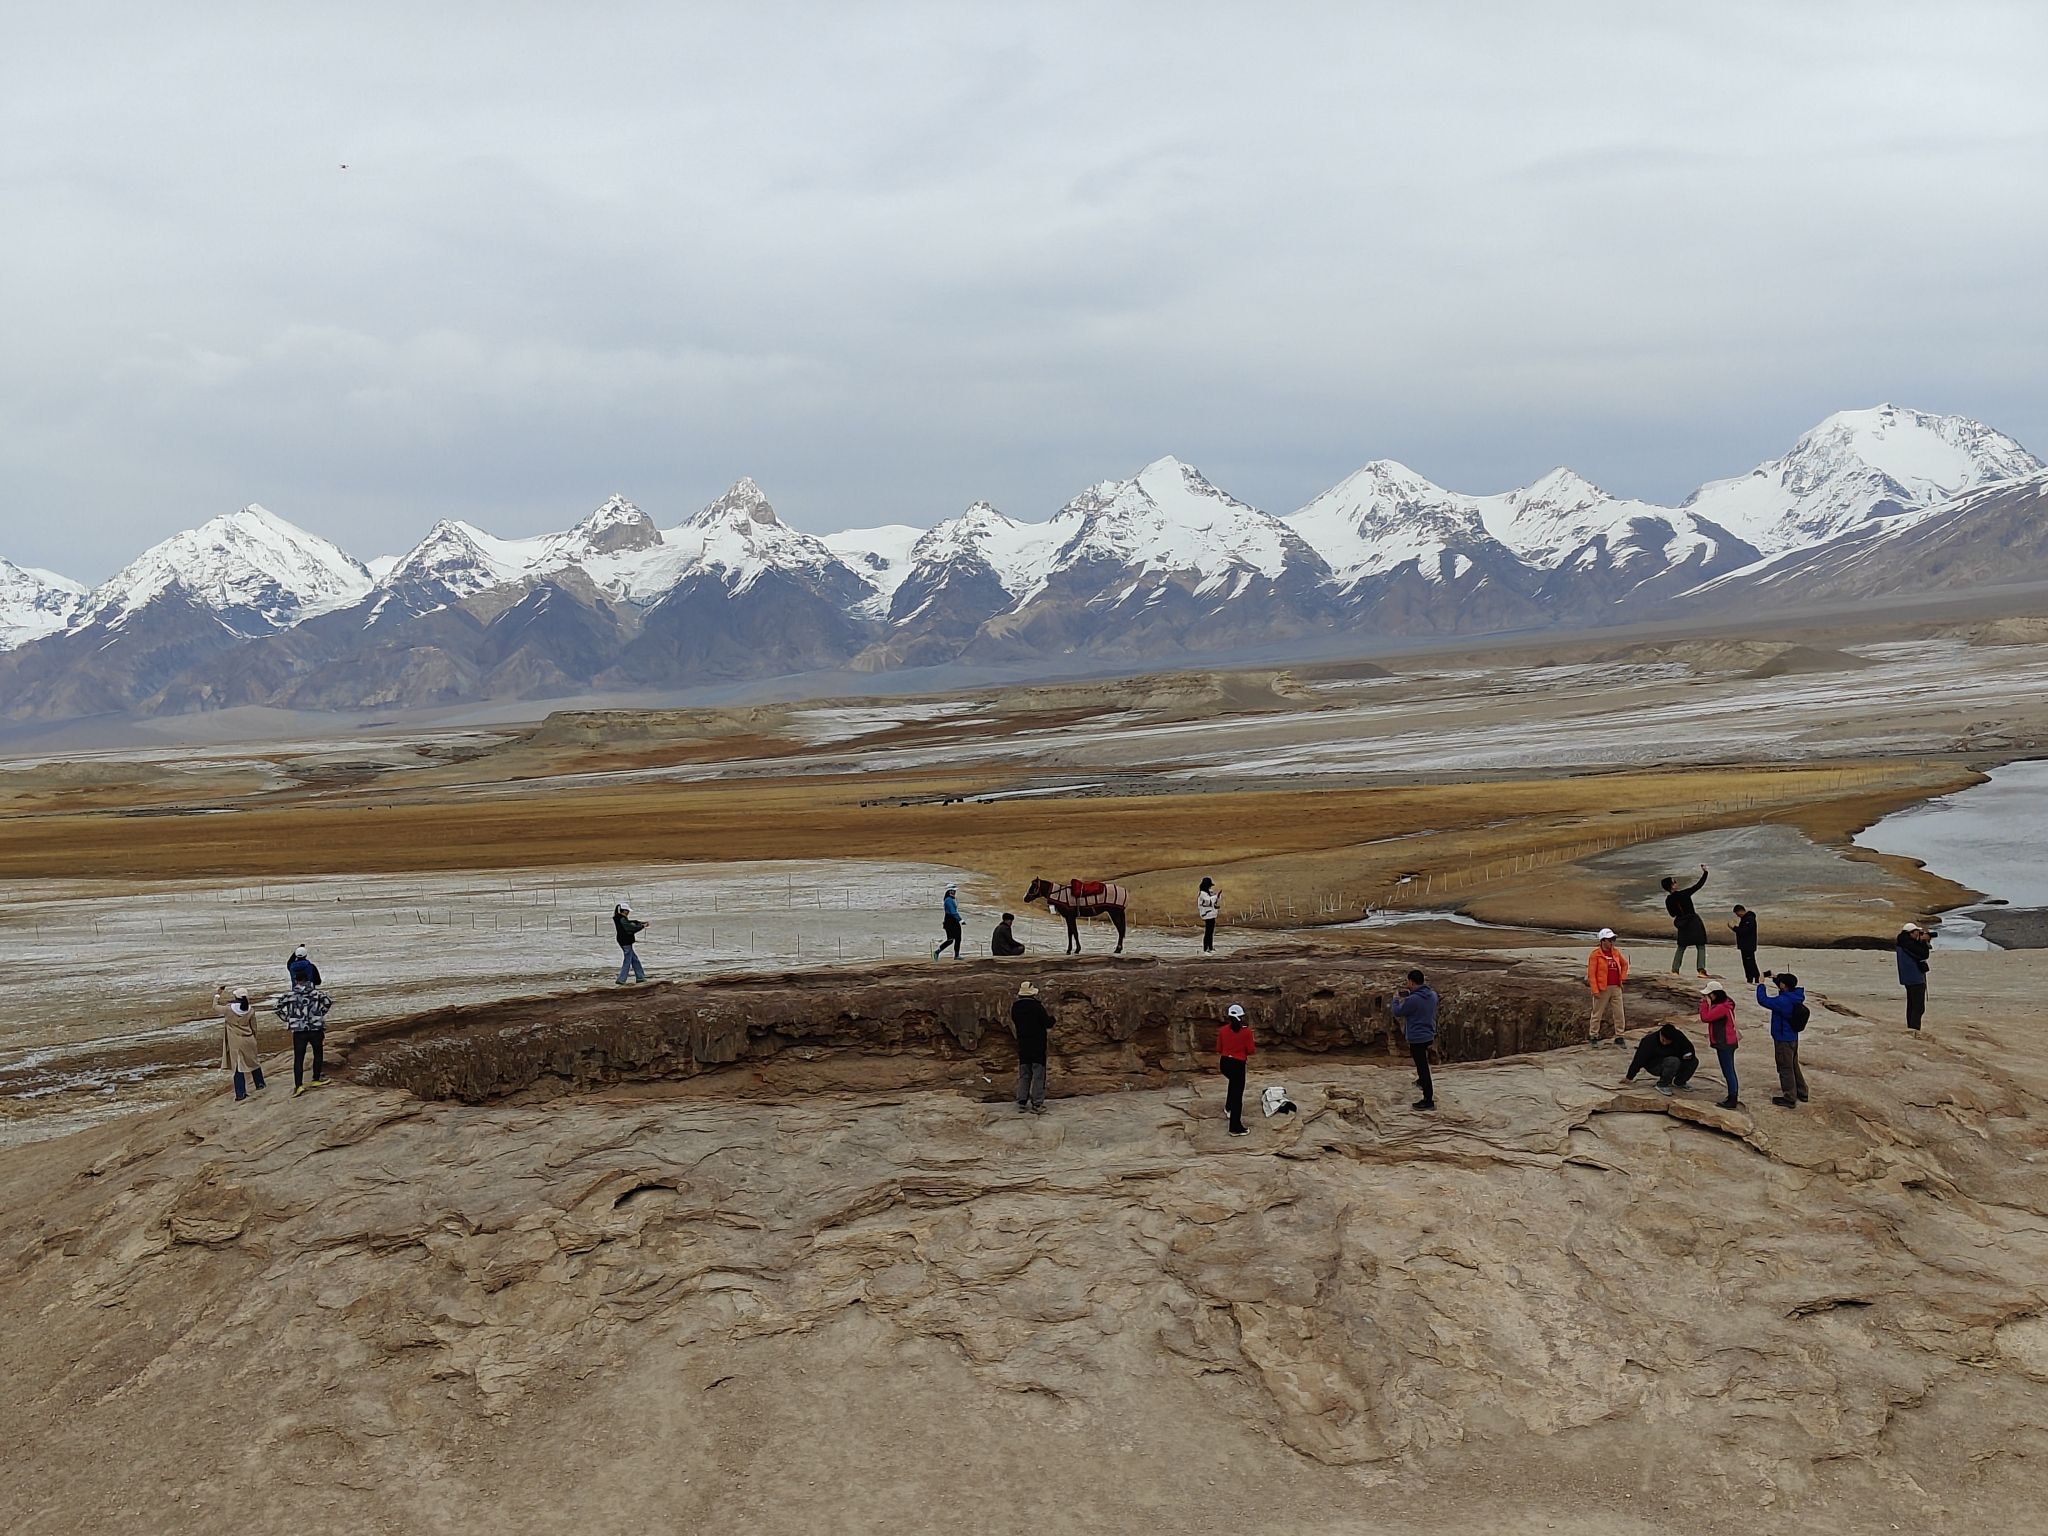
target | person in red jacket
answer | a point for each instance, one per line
(1717, 1012)
(1234, 1048)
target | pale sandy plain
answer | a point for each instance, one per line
(1558, 1305)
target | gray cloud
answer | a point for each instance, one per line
(889, 259)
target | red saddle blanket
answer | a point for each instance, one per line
(1083, 889)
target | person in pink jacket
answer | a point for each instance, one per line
(1717, 1012)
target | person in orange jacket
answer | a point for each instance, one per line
(1233, 1049)
(1606, 970)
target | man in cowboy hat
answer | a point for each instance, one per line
(1028, 1016)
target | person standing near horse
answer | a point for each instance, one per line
(1606, 971)
(1033, 1022)
(627, 931)
(1415, 1007)
(1744, 929)
(951, 922)
(1234, 1049)
(1208, 906)
(1685, 919)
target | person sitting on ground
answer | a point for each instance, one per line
(1666, 1051)
(238, 1047)
(1233, 1049)
(1606, 970)
(1788, 1021)
(1685, 918)
(1004, 940)
(1717, 1012)
(1415, 1006)
(1915, 949)
(304, 974)
(627, 931)
(1744, 929)
(1033, 1022)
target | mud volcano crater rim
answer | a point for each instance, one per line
(1120, 1023)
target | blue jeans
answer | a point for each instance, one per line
(628, 961)
(1727, 1055)
(242, 1088)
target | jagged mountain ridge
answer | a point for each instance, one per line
(248, 609)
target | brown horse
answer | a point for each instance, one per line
(1078, 899)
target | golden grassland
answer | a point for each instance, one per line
(1287, 855)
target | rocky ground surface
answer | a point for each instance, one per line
(1557, 1304)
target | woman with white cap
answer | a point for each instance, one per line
(238, 1045)
(1914, 950)
(951, 923)
(1234, 1048)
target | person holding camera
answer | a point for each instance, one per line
(1789, 1014)
(1414, 1004)
(627, 929)
(238, 1045)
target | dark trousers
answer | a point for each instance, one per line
(1791, 1081)
(1676, 1071)
(242, 1088)
(1727, 1055)
(1233, 1074)
(1419, 1049)
(1916, 1005)
(952, 941)
(1208, 933)
(301, 1040)
(1749, 970)
(1031, 1084)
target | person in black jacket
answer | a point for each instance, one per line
(1028, 1016)
(1004, 940)
(1692, 933)
(1668, 1052)
(1744, 929)
(1914, 951)
(627, 930)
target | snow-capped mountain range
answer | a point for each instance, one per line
(248, 608)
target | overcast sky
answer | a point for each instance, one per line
(892, 259)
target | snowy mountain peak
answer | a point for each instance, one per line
(254, 569)
(1168, 518)
(744, 502)
(1561, 487)
(34, 603)
(1856, 466)
(612, 528)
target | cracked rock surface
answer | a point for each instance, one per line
(1556, 1304)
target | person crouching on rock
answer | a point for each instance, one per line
(1415, 1007)
(1666, 1051)
(1606, 970)
(950, 922)
(1717, 1012)
(238, 1048)
(1004, 940)
(1029, 1017)
(627, 932)
(1234, 1048)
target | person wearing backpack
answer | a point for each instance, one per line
(1789, 1016)
(1914, 950)
(1717, 1012)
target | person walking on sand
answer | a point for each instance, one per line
(1234, 1048)
(304, 974)
(1004, 940)
(1030, 1018)
(1415, 1006)
(1914, 950)
(1208, 905)
(238, 1045)
(627, 930)
(1685, 918)
(1717, 1012)
(951, 922)
(1788, 1021)
(1606, 970)
(1666, 1051)
(1744, 929)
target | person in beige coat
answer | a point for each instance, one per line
(238, 1043)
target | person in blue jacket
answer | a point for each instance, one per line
(1788, 1017)
(1415, 1006)
(304, 973)
(1914, 950)
(952, 924)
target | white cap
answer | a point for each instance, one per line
(624, 907)
(1606, 933)
(1236, 1010)
(1710, 989)
(300, 951)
